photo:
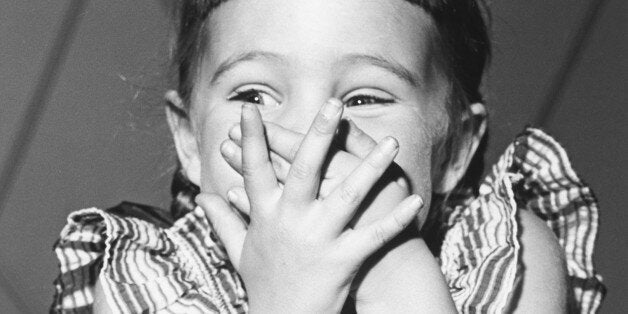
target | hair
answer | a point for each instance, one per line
(462, 37)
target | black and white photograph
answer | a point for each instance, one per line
(313, 156)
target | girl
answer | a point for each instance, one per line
(330, 154)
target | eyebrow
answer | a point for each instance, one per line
(375, 60)
(232, 61)
(384, 63)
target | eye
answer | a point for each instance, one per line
(255, 96)
(361, 100)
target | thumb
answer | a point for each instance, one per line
(226, 222)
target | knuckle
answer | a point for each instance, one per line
(294, 149)
(250, 168)
(379, 236)
(277, 165)
(301, 170)
(376, 160)
(350, 195)
(398, 222)
(247, 170)
(248, 136)
(322, 126)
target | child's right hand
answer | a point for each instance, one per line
(297, 254)
(284, 143)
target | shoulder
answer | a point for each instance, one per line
(96, 242)
(123, 262)
(544, 277)
(526, 241)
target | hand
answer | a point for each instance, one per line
(392, 187)
(297, 254)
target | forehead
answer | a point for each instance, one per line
(319, 31)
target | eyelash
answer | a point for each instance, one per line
(370, 100)
(246, 94)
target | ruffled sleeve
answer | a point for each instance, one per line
(144, 268)
(480, 255)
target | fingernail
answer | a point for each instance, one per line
(417, 201)
(390, 144)
(232, 196)
(331, 108)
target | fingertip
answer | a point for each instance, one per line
(413, 205)
(416, 201)
(358, 142)
(238, 198)
(354, 129)
(200, 199)
(232, 196)
(227, 148)
(235, 133)
(389, 145)
(391, 140)
(204, 200)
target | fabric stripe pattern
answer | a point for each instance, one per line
(143, 268)
(182, 267)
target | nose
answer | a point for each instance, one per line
(298, 114)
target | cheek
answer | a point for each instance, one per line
(414, 157)
(216, 174)
(416, 128)
(415, 145)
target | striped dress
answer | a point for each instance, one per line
(148, 260)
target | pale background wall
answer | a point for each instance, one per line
(102, 137)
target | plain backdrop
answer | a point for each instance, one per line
(103, 137)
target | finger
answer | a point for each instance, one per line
(304, 174)
(286, 142)
(367, 240)
(226, 223)
(282, 141)
(259, 177)
(238, 198)
(346, 198)
(281, 166)
(359, 143)
(232, 153)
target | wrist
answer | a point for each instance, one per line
(383, 276)
(300, 298)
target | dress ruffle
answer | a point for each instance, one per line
(183, 268)
(480, 256)
(144, 268)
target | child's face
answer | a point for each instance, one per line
(378, 57)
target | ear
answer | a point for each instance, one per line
(474, 127)
(183, 135)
